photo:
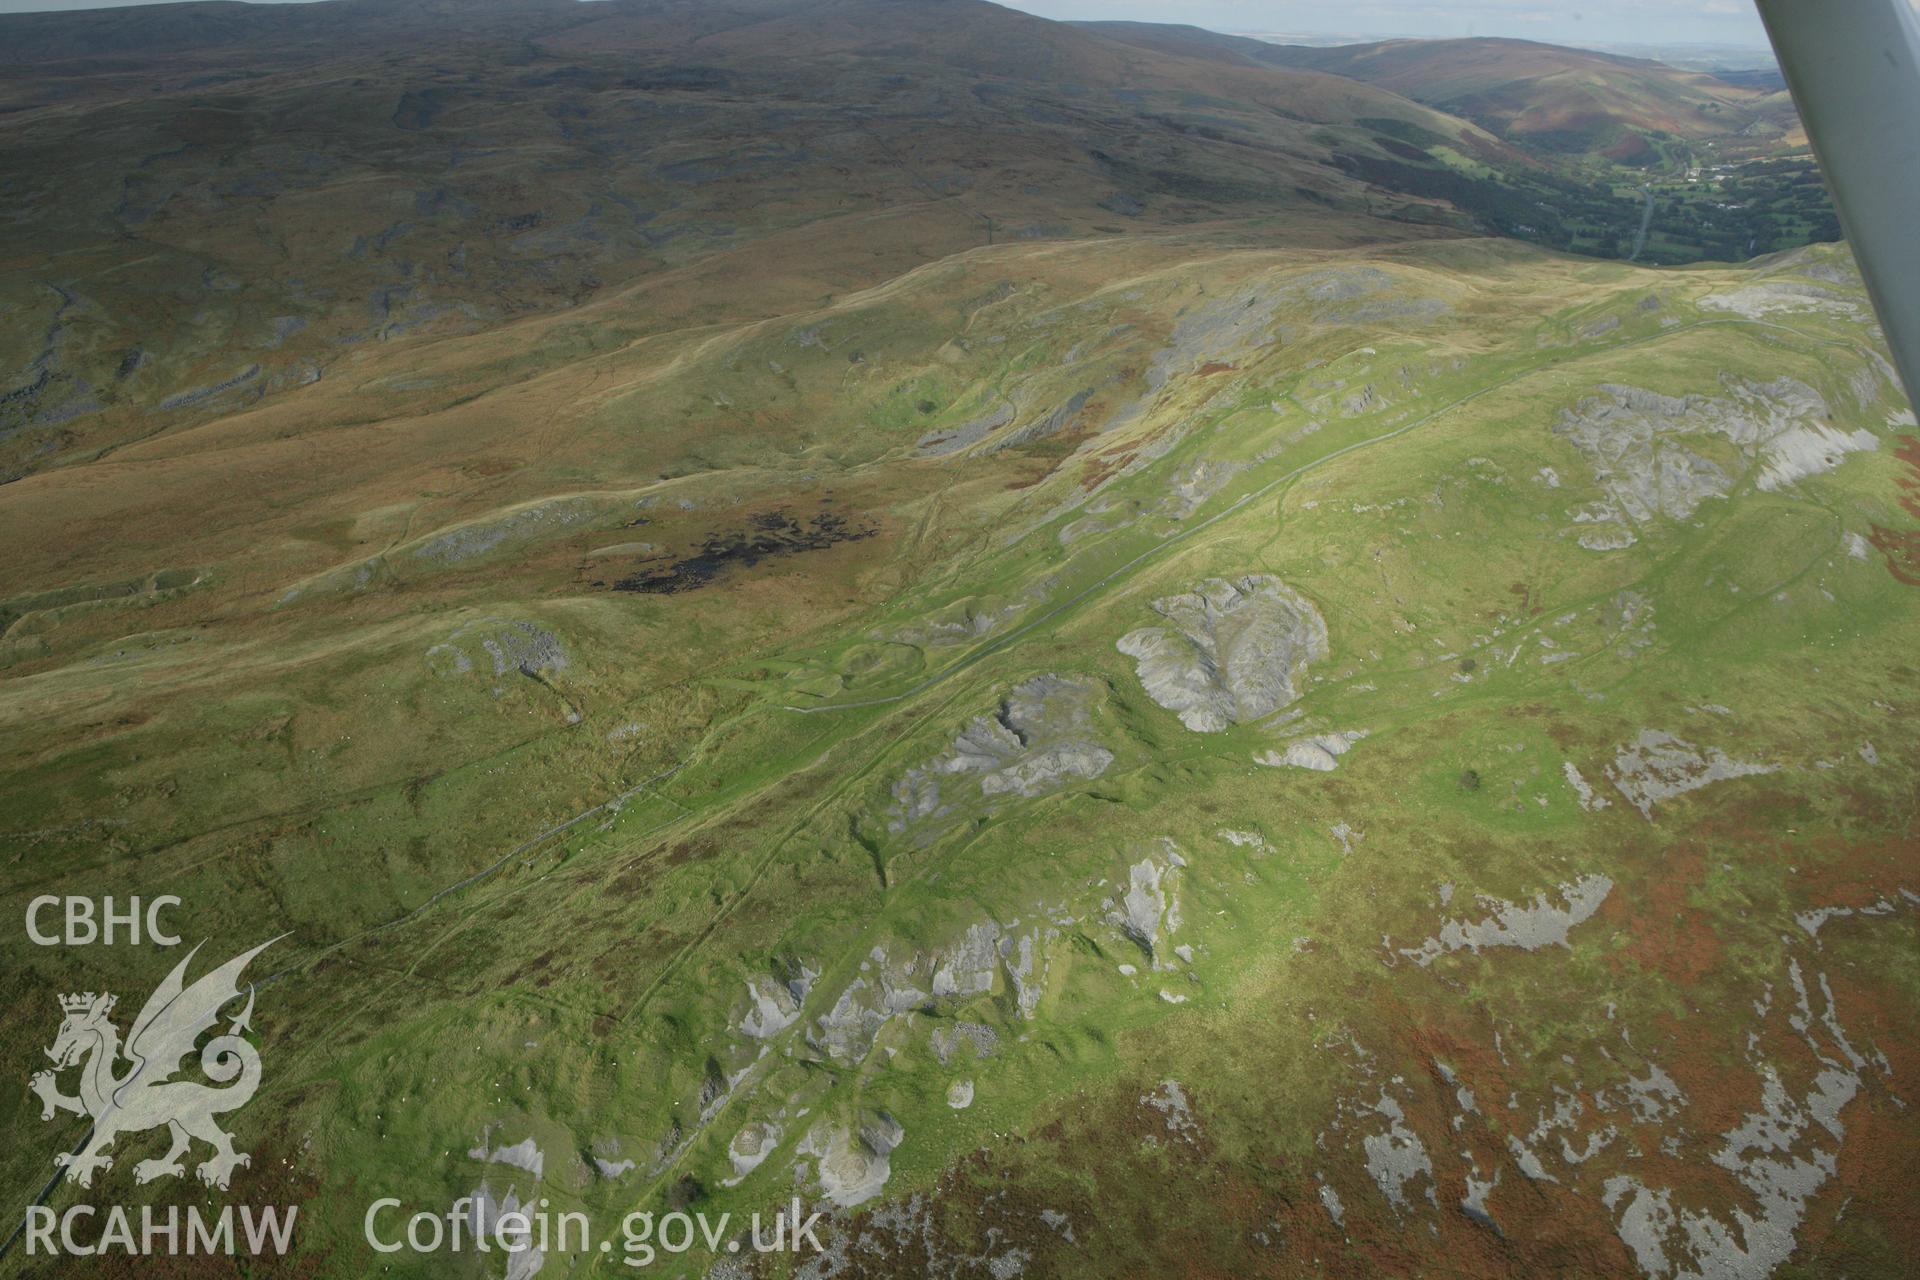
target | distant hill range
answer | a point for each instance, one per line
(211, 205)
(307, 180)
(1567, 101)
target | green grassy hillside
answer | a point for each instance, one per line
(1583, 541)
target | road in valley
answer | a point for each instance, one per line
(1646, 221)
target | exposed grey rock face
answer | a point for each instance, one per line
(1171, 1101)
(947, 440)
(1529, 926)
(1474, 1203)
(974, 618)
(1629, 621)
(1629, 436)
(1365, 400)
(750, 1149)
(912, 1227)
(1038, 741)
(1233, 653)
(1103, 515)
(1194, 483)
(1813, 919)
(1320, 753)
(960, 1094)
(1223, 330)
(486, 1212)
(1150, 904)
(517, 528)
(1143, 905)
(946, 1041)
(1652, 1098)
(1733, 1214)
(1527, 1162)
(773, 1008)
(1607, 536)
(506, 645)
(1588, 799)
(1843, 273)
(521, 1155)
(1025, 958)
(846, 1032)
(1396, 1156)
(1808, 450)
(1051, 424)
(1047, 769)
(625, 549)
(200, 395)
(967, 968)
(526, 648)
(1756, 301)
(853, 1166)
(887, 988)
(1657, 766)
(1781, 1154)
(1645, 449)
(1218, 330)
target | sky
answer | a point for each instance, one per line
(1731, 22)
(1559, 21)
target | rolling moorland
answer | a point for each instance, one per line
(935, 611)
(257, 199)
(1718, 163)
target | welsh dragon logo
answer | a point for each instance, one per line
(128, 1089)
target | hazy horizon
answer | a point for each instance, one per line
(1643, 22)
